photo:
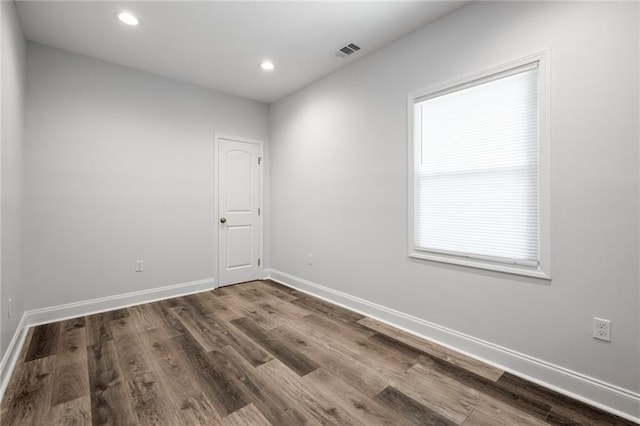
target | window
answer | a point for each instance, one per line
(479, 171)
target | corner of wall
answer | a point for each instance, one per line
(13, 84)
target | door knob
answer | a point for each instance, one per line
(223, 220)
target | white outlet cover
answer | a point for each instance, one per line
(601, 329)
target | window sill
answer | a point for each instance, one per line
(479, 264)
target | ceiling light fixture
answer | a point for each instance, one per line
(128, 18)
(267, 65)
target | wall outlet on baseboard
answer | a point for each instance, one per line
(601, 329)
(309, 259)
(139, 265)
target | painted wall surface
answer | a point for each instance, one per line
(638, 281)
(120, 167)
(339, 153)
(11, 154)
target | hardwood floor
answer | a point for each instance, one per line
(258, 354)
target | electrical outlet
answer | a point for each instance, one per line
(139, 266)
(601, 329)
(309, 259)
(9, 302)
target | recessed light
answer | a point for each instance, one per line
(128, 18)
(267, 65)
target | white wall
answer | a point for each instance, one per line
(11, 155)
(638, 281)
(119, 167)
(339, 184)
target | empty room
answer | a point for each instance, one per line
(320, 212)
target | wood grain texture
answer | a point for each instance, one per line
(211, 376)
(411, 409)
(110, 403)
(354, 371)
(259, 353)
(183, 394)
(453, 357)
(360, 406)
(144, 318)
(248, 415)
(29, 393)
(272, 402)
(213, 303)
(132, 357)
(73, 337)
(43, 342)
(149, 400)
(196, 324)
(312, 402)
(76, 412)
(165, 320)
(289, 356)
(243, 344)
(70, 377)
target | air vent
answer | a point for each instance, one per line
(347, 50)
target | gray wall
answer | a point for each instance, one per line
(11, 155)
(119, 167)
(339, 183)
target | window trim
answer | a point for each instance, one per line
(543, 269)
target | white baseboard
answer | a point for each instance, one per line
(614, 399)
(88, 307)
(109, 303)
(10, 358)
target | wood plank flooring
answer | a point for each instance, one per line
(262, 354)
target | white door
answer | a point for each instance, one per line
(239, 221)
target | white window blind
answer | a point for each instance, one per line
(476, 183)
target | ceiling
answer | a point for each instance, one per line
(220, 45)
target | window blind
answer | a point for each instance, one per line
(476, 169)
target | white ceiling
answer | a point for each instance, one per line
(221, 44)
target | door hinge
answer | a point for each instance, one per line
(258, 261)
(258, 211)
(259, 160)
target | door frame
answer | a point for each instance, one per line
(216, 227)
